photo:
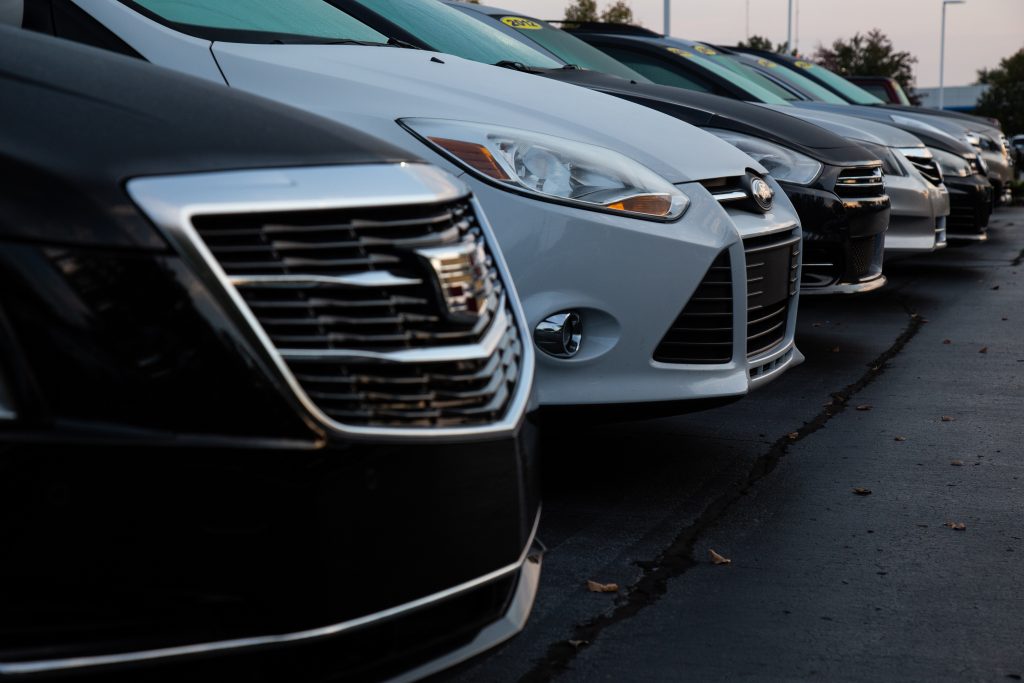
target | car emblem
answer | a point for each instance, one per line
(762, 193)
(462, 278)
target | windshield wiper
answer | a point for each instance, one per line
(395, 42)
(515, 66)
(312, 40)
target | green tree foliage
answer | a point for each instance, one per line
(761, 43)
(619, 12)
(582, 10)
(869, 55)
(1004, 98)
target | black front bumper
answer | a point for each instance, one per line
(843, 239)
(970, 205)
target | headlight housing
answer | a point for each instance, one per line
(951, 164)
(783, 163)
(554, 168)
(890, 162)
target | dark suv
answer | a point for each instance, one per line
(263, 389)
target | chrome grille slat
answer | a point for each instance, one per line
(927, 167)
(698, 335)
(771, 286)
(375, 310)
(860, 182)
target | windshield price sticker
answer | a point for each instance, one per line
(677, 51)
(767, 62)
(803, 65)
(704, 50)
(521, 23)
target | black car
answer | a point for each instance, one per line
(842, 204)
(263, 389)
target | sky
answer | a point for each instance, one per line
(978, 33)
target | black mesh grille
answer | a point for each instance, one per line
(860, 182)
(965, 216)
(864, 256)
(702, 333)
(927, 167)
(369, 282)
(772, 280)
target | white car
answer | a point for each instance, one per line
(655, 262)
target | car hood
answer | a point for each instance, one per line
(711, 111)
(950, 126)
(370, 87)
(861, 130)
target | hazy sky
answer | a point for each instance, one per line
(978, 33)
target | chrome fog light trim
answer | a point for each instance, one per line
(560, 335)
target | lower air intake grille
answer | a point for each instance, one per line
(772, 281)
(927, 167)
(860, 183)
(702, 333)
(864, 256)
(349, 297)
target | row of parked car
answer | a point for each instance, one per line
(285, 287)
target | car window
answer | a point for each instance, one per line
(446, 29)
(657, 70)
(798, 81)
(876, 89)
(752, 87)
(278, 19)
(742, 72)
(851, 92)
(566, 46)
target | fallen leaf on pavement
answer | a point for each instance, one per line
(996, 287)
(983, 349)
(900, 438)
(957, 463)
(793, 436)
(595, 587)
(835, 349)
(577, 643)
(864, 406)
(956, 526)
(718, 559)
(948, 418)
(1005, 318)
(815, 324)
(862, 491)
(947, 341)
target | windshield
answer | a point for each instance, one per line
(567, 47)
(757, 87)
(446, 29)
(259, 20)
(744, 72)
(798, 81)
(851, 92)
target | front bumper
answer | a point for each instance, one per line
(843, 239)
(970, 205)
(919, 211)
(629, 280)
(130, 560)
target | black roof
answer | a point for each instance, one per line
(81, 121)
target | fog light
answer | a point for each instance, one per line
(560, 335)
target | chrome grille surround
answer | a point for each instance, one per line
(427, 382)
(860, 182)
(773, 280)
(923, 162)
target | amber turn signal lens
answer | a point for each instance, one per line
(650, 204)
(475, 155)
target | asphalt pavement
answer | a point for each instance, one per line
(837, 493)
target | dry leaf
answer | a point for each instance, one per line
(956, 526)
(835, 349)
(957, 463)
(862, 491)
(718, 559)
(947, 341)
(577, 643)
(996, 287)
(595, 587)
(900, 438)
(983, 349)
(1005, 318)
(793, 436)
(864, 406)
(948, 418)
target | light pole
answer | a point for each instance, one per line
(668, 17)
(942, 52)
(789, 27)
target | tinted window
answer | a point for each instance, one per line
(754, 89)
(302, 18)
(446, 29)
(798, 81)
(851, 92)
(657, 70)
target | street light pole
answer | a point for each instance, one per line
(668, 17)
(789, 27)
(942, 52)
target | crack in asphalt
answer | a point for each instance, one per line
(1020, 259)
(678, 557)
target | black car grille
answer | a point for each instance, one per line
(864, 256)
(343, 293)
(927, 167)
(773, 275)
(702, 334)
(861, 182)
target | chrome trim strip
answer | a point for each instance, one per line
(437, 354)
(85, 662)
(774, 245)
(848, 288)
(172, 201)
(372, 278)
(729, 196)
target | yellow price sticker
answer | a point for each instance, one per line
(767, 62)
(704, 50)
(802, 64)
(677, 51)
(521, 23)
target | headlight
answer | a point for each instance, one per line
(781, 162)
(982, 165)
(555, 168)
(973, 138)
(890, 162)
(951, 164)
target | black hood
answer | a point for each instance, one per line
(711, 111)
(78, 122)
(941, 141)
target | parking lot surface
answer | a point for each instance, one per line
(837, 493)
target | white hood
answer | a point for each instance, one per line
(852, 127)
(370, 87)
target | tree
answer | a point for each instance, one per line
(618, 13)
(869, 55)
(1004, 98)
(582, 10)
(761, 43)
